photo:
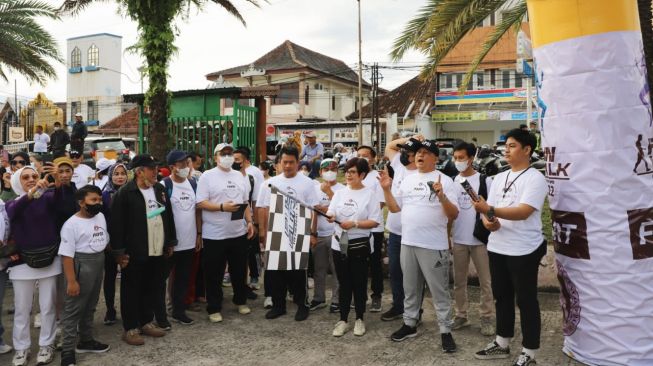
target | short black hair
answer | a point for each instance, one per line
(289, 150)
(469, 148)
(193, 156)
(359, 163)
(81, 193)
(525, 138)
(245, 151)
(370, 148)
(57, 124)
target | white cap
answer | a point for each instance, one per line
(79, 115)
(103, 164)
(221, 147)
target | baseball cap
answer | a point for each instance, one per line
(145, 160)
(175, 156)
(79, 115)
(412, 144)
(327, 163)
(62, 161)
(222, 146)
(431, 146)
(74, 154)
(309, 134)
(104, 164)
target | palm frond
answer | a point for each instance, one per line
(412, 31)
(233, 10)
(512, 18)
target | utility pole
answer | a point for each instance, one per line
(376, 108)
(360, 79)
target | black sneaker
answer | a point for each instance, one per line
(492, 352)
(448, 344)
(334, 308)
(301, 314)
(376, 305)
(91, 347)
(164, 324)
(182, 319)
(392, 314)
(524, 360)
(251, 295)
(68, 359)
(317, 305)
(404, 333)
(274, 313)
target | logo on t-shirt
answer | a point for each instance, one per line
(349, 208)
(231, 190)
(151, 204)
(464, 201)
(184, 202)
(421, 191)
(99, 239)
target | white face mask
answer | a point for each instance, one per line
(183, 173)
(329, 176)
(462, 165)
(226, 161)
(305, 172)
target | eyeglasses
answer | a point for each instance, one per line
(351, 171)
(28, 176)
(16, 162)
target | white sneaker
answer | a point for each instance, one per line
(21, 357)
(267, 304)
(244, 309)
(5, 348)
(215, 318)
(359, 327)
(311, 283)
(45, 356)
(341, 328)
(37, 320)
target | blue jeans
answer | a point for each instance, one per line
(4, 276)
(396, 275)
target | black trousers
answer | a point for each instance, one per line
(216, 255)
(376, 267)
(160, 311)
(182, 262)
(140, 283)
(352, 279)
(109, 284)
(254, 257)
(282, 281)
(267, 284)
(517, 276)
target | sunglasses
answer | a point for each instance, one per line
(16, 162)
(28, 176)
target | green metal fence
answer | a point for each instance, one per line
(202, 133)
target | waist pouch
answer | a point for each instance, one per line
(356, 248)
(41, 257)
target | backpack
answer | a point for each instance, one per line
(480, 231)
(168, 184)
(251, 185)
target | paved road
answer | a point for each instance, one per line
(252, 340)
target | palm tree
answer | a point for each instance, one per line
(157, 33)
(25, 47)
(440, 24)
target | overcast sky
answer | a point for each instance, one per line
(212, 40)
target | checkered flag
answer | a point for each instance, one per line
(289, 228)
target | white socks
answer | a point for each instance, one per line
(503, 342)
(530, 352)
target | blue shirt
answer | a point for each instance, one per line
(309, 152)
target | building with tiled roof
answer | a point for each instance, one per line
(125, 124)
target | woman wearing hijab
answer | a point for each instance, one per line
(37, 260)
(117, 174)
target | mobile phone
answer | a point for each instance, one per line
(468, 188)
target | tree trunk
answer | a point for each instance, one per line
(646, 23)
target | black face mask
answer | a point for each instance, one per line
(403, 158)
(94, 209)
(236, 166)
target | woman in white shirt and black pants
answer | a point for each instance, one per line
(356, 208)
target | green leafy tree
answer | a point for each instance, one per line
(25, 47)
(157, 33)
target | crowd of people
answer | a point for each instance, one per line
(175, 235)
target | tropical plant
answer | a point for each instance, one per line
(441, 24)
(26, 48)
(157, 33)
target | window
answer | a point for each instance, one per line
(492, 19)
(91, 111)
(480, 80)
(307, 94)
(519, 79)
(493, 78)
(459, 80)
(76, 58)
(470, 83)
(75, 107)
(229, 103)
(505, 79)
(448, 81)
(93, 56)
(333, 102)
(288, 94)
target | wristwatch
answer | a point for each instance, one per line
(490, 213)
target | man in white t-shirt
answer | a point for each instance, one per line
(427, 201)
(82, 173)
(466, 246)
(222, 195)
(401, 153)
(376, 269)
(513, 215)
(321, 235)
(302, 188)
(188, 222)
(41, 141)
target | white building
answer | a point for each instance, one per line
(93, 79)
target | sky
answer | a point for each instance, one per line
(212, 40)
